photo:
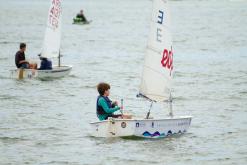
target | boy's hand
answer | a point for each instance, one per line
(115, 103)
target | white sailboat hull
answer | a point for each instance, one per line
(56, 72)
(146, 128)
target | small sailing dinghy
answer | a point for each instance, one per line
(51, 47)
(155, 86)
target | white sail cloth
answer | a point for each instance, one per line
(158, 62)
(51, 45)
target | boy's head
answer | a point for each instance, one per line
(103, 89)
(23, 47)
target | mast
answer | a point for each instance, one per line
(59, 59)
(170, 106)
(149, 110)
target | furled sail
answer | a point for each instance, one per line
(158, 62)
(52, 38)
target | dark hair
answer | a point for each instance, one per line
(22, 45)
(102, 87)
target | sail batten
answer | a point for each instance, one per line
(154, 50)
(158, 62)
(156, 71)
(51, 43)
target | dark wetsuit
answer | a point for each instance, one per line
(82, 17)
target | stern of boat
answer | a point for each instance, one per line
(113, 128)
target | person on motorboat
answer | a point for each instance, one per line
(20, 59)
(45, 63)
(80, 17)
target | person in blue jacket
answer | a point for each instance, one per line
(45, 64)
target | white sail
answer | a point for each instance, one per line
(158, 62)
(52, 38)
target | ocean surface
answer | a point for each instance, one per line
(47, 122)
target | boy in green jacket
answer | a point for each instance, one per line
(105, 107)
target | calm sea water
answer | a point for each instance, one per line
(47, 122)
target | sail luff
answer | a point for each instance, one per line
(51, 43)
(158, 61)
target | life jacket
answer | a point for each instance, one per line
(99, 109)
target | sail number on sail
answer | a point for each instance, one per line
(54, 13)
(167, 56)
(167, 59)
